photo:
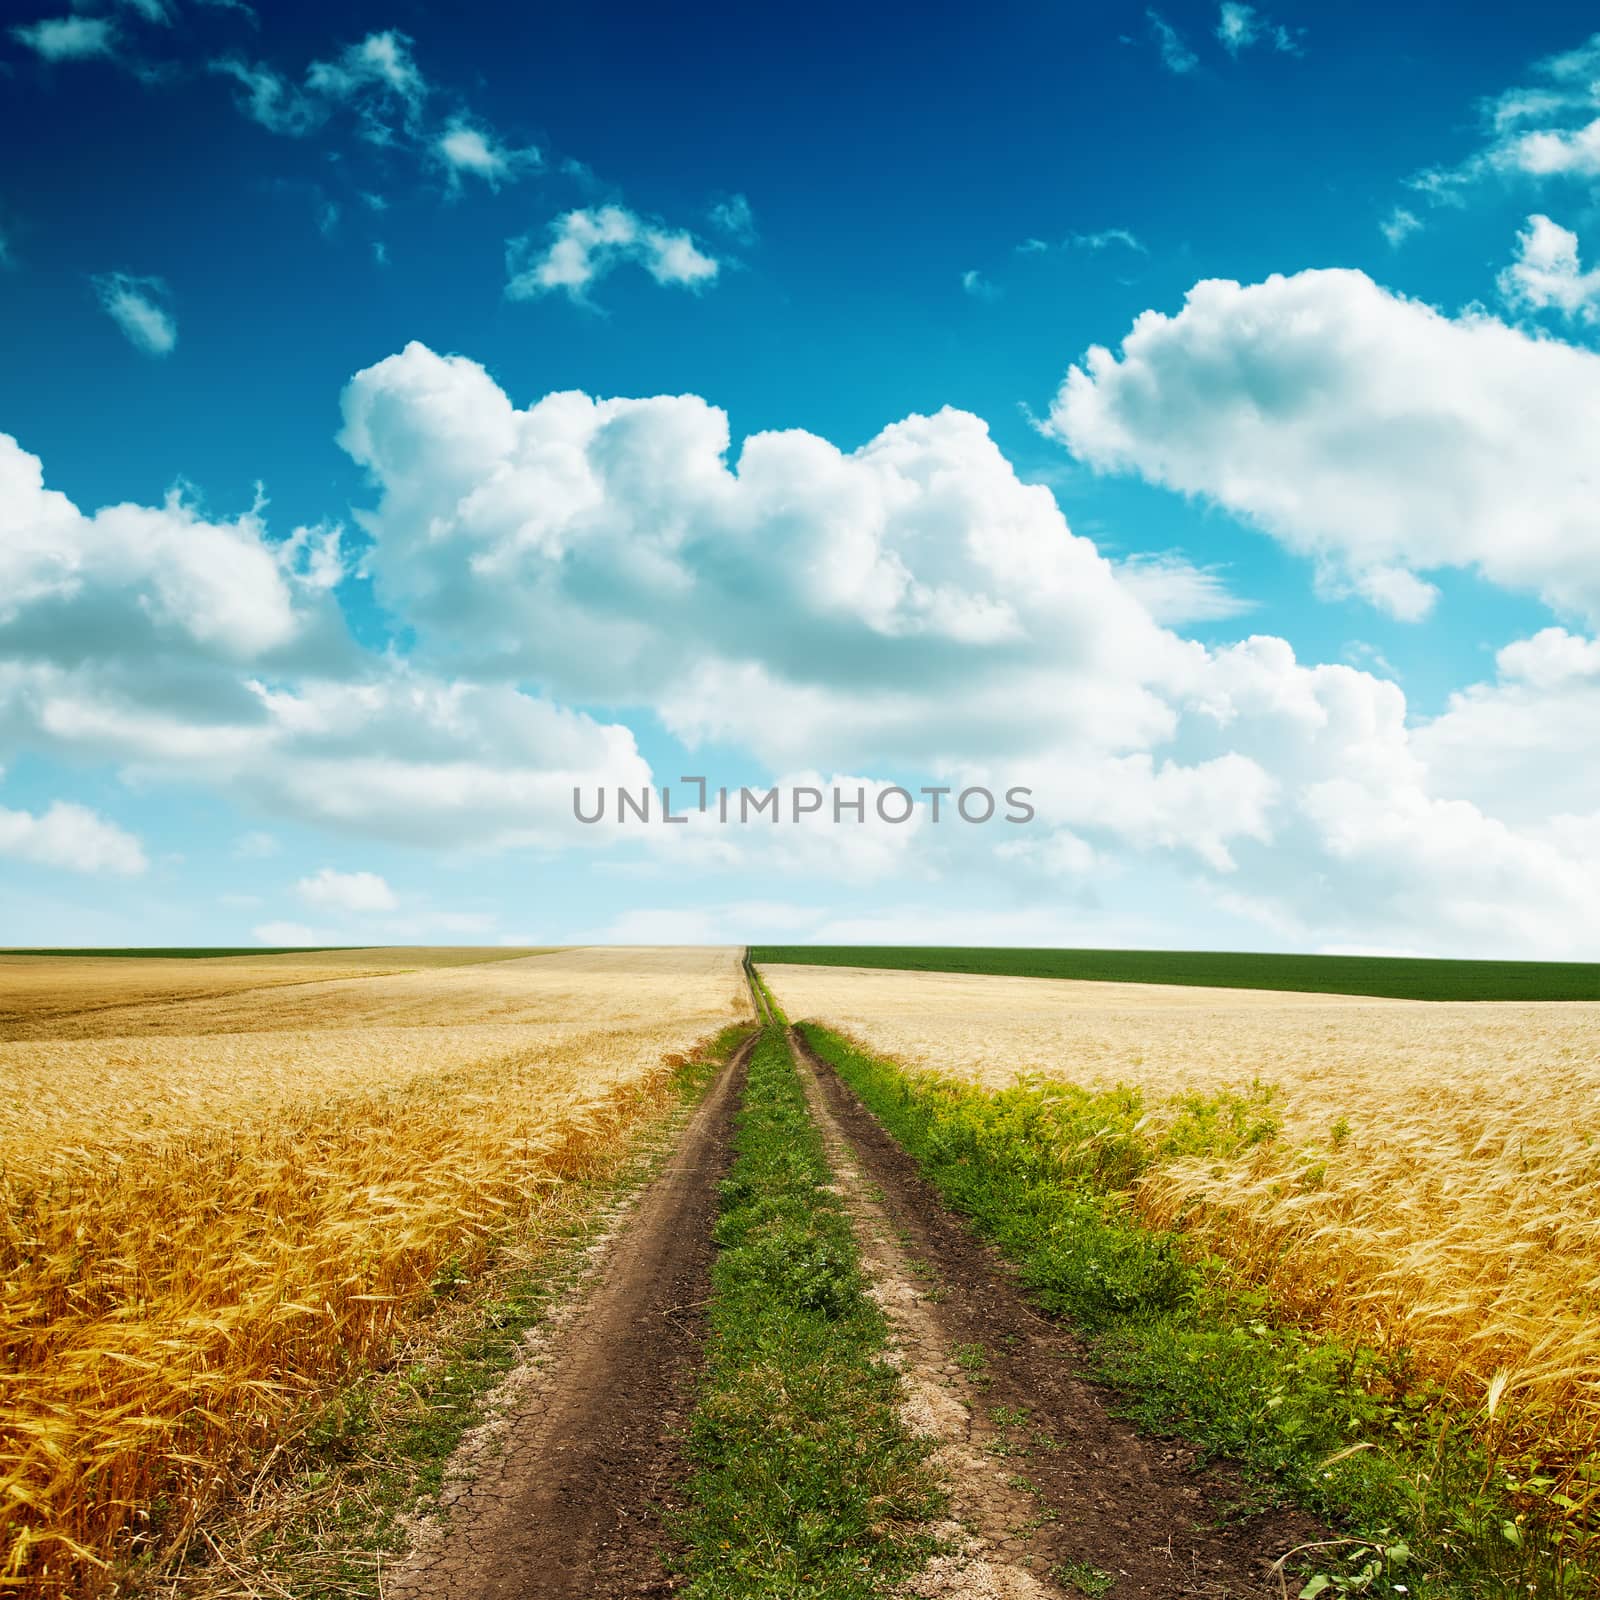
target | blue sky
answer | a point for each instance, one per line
(1284, 605)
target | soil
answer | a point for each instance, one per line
(1043, 1476)
(1051, 1494)
(573, 1502)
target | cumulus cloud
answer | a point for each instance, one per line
(1548, 275)
(134, 304)
(467, 150)
(909, 606)
(583, 246)
(70, 836)
(1535, 716)
(76, 38)
(178, 647)
(1366, 431)
(610, 551)
(154, 581)
(347, 891)
(939, 616)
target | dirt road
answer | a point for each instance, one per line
(1056, 1495)
(1050, 1494)
(572, 1505)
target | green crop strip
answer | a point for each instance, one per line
(1043, 1171)
(1397, 977)
(806, 1482)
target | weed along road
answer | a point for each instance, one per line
(794, 1371)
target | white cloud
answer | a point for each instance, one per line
(186, 649)
(467, 149)
(1535, 718)
(608, 550)
(1399, 225)
(1546, 129)
(132, 303)
(69, 38)
(979, 287)
(70, 836)
(359, 892)
(255, 846)
(585, 245)
(1241, 26)
(153, 582)
(1175, 591)
(1368, 432)
(908, 606)
(1176, 56)
(1548, 274)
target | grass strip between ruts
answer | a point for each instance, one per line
(807, 1481)
(1423, 1506)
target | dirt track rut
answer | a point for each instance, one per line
(1043, 1478)
(572, 1505)
(1048, 1489)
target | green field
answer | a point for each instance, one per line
(1395, 977)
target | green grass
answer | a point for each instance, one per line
(197, 953)
(806, 1480)
(764, 995)
(1043, 1169)
(1395, 977)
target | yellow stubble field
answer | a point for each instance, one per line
(224, 1184)
(1435, 1184)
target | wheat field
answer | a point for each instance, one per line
(222, 1192)
(1435, 1184)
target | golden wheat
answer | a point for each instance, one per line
(1436, 1183)
(99, 996)
(201, 1231)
